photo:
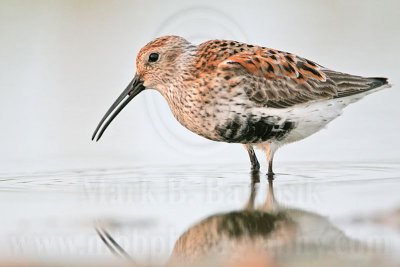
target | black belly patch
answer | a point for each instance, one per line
(254, 129)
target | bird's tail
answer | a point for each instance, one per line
(348, 85)
(379, 82)
(361, 86)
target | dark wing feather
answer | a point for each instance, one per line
(348, 84)
(279, 80)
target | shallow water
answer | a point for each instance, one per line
(50, 216)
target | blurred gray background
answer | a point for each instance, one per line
(62, 64)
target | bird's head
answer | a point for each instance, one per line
(157, 61)
(155, 65)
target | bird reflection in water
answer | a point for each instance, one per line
(270, 234)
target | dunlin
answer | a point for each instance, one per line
(269, 234)
(240, 93)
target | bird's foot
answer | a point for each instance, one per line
(255, 177)
(255, 169)
(270, 175)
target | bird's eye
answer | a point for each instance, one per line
(153, 57)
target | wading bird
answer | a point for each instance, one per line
(270, 234)
(239, 93)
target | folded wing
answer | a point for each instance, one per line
(279, 79)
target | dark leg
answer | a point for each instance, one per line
(270, 152)
(255, 166)
(270, 171)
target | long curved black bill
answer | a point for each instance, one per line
(133, 89)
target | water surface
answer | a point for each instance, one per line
(50, 216)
